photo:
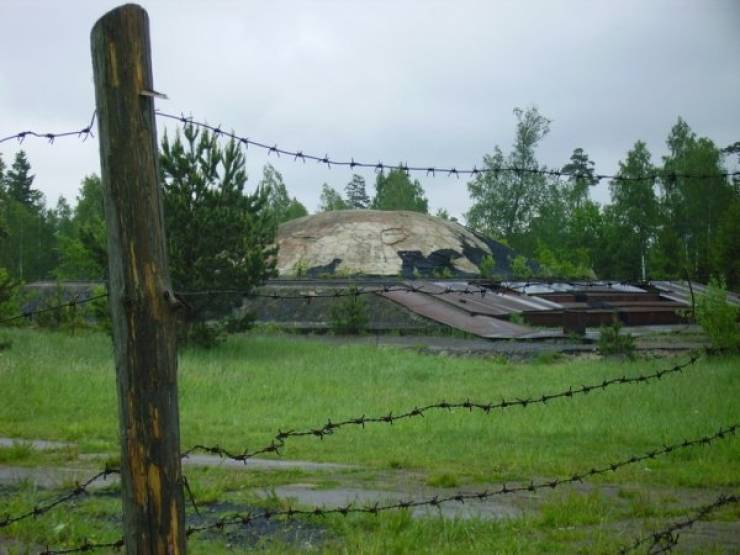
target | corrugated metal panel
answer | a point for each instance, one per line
(679, 291)
(493, 303)
(433, 308)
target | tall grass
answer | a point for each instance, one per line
(53, 386)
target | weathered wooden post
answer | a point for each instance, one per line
(141, 297)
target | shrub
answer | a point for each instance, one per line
(9, 288)
(100, 310)
(59, 311)
(487, 267)
(349, 314)
(519, 268)
(717, 317)
(612, 342)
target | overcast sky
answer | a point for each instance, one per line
(427, 83)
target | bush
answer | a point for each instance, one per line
(612, 342)
(100, 310)
(9, 305)
(59, 311)
(519, 268)
(487, 267)
(349, 314)
(717, 317)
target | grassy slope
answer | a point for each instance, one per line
(54, 386)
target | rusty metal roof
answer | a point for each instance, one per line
(475, 322)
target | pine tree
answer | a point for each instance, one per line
(356, 194)
(19, 183)
(581, 176)
(219, 236)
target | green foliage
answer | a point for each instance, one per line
(300, 268)
(635, 211)
(331, 200)
(54, 315)
(396, 191)
(695, 207)
(82, 245)
(553, 267)
(717, 317)
(613, 342)
(504, 203)
(100, 310)
(283, 207)
(445, 215)
(18, 183)
(356, 193)
(348, 315)
(9, 288)
(581, 176)
(726, 246)
(219, 236)
(487, 267)
(520, 268)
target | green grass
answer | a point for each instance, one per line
(54, 386)
(59, 387)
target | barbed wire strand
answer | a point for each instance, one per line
(430, 170)
(245, 519)
(70, 304)
(330, 427)
(666, 539)
(84, 133)
(79, 489)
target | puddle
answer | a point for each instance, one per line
(337, 497)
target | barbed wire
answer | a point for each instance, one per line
(84, 133)
(430, 170)
(73, 303)
(79, 489)
(278, 442)
(245, 519)
(85, 547)
(666, 539)
(461, 497)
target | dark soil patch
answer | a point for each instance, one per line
(294, 532)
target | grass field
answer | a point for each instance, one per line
(60, 387)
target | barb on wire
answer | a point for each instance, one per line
(330, 427)
(246, 519)
(71, 304)
(461, 497)
(79, 489)
(666, 539)
(84, 133)
(450, 171)
(85, 547)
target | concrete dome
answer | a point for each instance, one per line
(383, 243)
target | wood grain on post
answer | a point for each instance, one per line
(140, 289)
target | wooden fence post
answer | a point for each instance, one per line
(140, 292)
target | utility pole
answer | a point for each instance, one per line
(140, 294)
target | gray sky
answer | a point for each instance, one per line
(428, 83)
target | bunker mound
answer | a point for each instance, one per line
(384, 243)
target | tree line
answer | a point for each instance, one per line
(221, 235)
